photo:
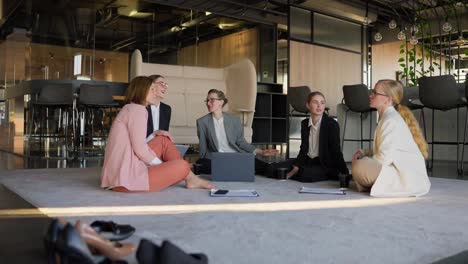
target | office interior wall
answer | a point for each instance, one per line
(324, 69)
(221, 52)
(385, 63)
(100, 66)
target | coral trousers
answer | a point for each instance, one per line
(172, 170)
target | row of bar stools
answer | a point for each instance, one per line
(52, 97)
(441, 93)
(61, 96)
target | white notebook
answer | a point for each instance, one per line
(233, 193)
(322, 191)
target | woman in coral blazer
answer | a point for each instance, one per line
(396, 165)
(132, 164)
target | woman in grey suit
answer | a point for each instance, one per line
(221, 132)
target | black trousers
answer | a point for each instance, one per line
(311, 170)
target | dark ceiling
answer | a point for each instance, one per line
(158, 26)
(127, 24)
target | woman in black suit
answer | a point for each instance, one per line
(320, 157)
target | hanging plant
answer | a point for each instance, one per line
(412, 66)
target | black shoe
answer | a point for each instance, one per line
(167, 253)
(71, 247)
(50, 239)
(113, 231)
(344, 180)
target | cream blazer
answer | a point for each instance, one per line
(403, 166)
(127, 152)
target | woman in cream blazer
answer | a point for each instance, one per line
(396, 165)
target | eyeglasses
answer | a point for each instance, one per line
(374, 93)
(162, 83)
(212, 100)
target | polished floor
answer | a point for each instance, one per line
(21, 240)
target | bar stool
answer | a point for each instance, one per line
(411, 100)
(441, 93)
(53, 96)
(91, 98)
(466, 121)
(356, 99)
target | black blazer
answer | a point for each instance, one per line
(164, 118)
(330, 153)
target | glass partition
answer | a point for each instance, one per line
(337, 33)
(300, 22)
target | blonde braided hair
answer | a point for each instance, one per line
(394, 89)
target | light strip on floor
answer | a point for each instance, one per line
(199, 208)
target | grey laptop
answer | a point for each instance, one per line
(233, 167)
(182, 149)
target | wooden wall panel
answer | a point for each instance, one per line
(385, 63)
(12, 60)
(220, 52)
(113, 66)
(324, 69)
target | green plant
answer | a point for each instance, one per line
(412, 63)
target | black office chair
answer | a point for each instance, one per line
(411, 100)
(53, 96)
(441, 93)
(94, 98)
(297, 97)
(356, 99)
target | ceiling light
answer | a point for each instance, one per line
(366, 21)
(413, 40)
(447, 27)
(392, 24)
(401, 35)
(207, 13)
(414, 29)
(135, 13)
(378, 36)
(460, 41)
(176, 29)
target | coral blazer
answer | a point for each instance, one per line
(127, 153)
(403, 166)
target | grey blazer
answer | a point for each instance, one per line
(234, 133)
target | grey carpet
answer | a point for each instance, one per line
(280, 226)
